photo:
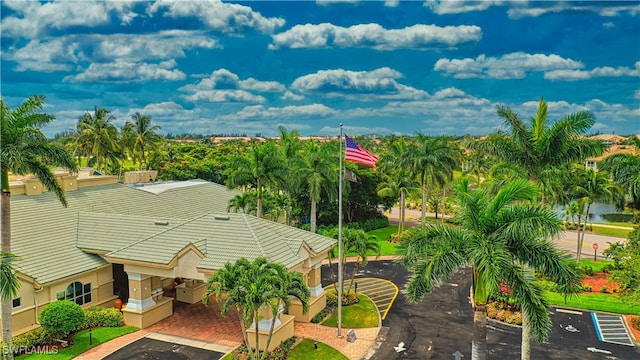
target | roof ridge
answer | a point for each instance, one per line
(157, 234)
(253, 233)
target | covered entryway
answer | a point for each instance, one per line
(204, 323)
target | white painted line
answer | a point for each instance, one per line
(566, 311)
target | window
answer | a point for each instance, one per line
(17, 302)
(77, 292)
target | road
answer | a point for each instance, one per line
(566, 241)
(442, 323)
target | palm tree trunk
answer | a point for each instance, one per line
(479, 349)
(313, 215)
(255, 319)
(424, 201)
(266, 347)
(7, 305)
(525, 346)
(578, 245)
(403, 211)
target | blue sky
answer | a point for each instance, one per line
(378, 67)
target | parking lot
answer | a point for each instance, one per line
(442, 324)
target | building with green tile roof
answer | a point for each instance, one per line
(135, 240)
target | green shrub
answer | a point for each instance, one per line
(100, 316)
(587, 288)
(62, 317)
(607, 269)
(32, 338)
(347, 299)
(322, 314)
(604, 289)
(635, 322)
(587, 270)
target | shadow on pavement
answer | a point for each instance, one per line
(151, 349)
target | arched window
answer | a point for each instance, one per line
(76, 292)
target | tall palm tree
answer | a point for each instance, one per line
(354, 242)
(100, 136)
(262, 167)
(431, 161)
(625, 169)
(499, 236)
(144, 137)
(245, 202)
(315, 172)
(399, 184)
(539, 147)
(23, 150)
(592, 186)
(252, 286)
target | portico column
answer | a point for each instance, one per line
(315, 281)
(139, 291)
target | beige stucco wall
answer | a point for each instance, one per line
(32, 302)
(280, 334)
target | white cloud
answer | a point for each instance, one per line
(605, 71)
(608, 25)
(259, 112)
(457, 7)
(391, 3)
(45, 56)
(363, 85)
(224, 86)
(636, 94)
(123, 71)
(509, 66)
(224, 96)
(533, 9)
(331, 2)
(374, 36)
(138, 47)
(216, 15)
(35, 18)
(225, 79)
(289, 95)
(65, 52)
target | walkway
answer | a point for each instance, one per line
(204, 327)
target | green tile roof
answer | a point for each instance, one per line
(151, 224)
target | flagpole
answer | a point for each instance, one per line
(340, 240)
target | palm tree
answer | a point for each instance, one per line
(625, 169)
(399, 184)
(24, 149)
(499, 236)
(253, 286)
(592, 186)
(538, 147)
(144, 137)
(245, 202)
(314, 171)
(100, 136)
(261, 168)
(354, 242)
(432, 161)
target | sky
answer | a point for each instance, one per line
(377, 67)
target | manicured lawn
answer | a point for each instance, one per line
(361, 315)
(594, 301)
(306, 350)
(595, 265)
(599, 230)
(81, 343)
(382, 236)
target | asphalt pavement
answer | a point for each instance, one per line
(442, 324)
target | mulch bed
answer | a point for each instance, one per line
(598, 280)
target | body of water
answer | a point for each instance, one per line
(601, 212)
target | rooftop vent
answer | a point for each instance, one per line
(222, 217)
(161, 222)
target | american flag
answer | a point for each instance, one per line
(357, 153)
